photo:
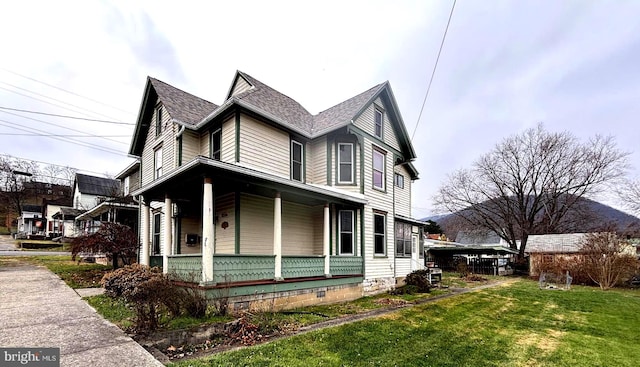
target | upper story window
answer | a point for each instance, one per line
(216, 144)
(379, 230)
(378, 119)
(345, 163)
(378, 169)
(159, 110)
(345, 227)
(157, 163)
(297, 161)
(398, 179)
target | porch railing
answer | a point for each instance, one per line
(345, 265)
(302, 266)
(186, 267)
(241, 268)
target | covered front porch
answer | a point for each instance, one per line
(221, 225)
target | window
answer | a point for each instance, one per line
(399, 180)
(378, 118)
(126, 186)
(378, 169)
(403, 239)
(297, 165)
(345, 227)
(216, 144)
(158, 120)
(156, 234)
(157, 163)
(379, 221)
(345, 163)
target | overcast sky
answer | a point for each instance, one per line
(505, 66)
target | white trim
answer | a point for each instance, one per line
(353, 245)
(301, 160)
(352, 164)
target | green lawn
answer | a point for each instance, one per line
(76, 275)
(514, 325)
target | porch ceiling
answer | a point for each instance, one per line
(186, 183)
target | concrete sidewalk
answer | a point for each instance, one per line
(37, 309)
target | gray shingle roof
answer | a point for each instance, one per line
(478, 238)
(98, 186)
(288, 110)
(182, 106)
(344, 111)
(275, 103)
(563, 243)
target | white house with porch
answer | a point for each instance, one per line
(275, 204)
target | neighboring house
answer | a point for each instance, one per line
(548, 248)
(66, 217)
(260, 196)
(30, 222)
(120, 207)
(54, 226)
(89, 192)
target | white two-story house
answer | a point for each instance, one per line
(263, 198)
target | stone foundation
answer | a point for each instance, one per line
(378, 285)
(286, 300)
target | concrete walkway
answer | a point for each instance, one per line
(37, 309)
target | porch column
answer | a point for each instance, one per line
(277, 235)
(208, 232)
(144, 253)
(326, 251)
(168, 234)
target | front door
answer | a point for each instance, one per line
(415, 262)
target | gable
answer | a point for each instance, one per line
(183, 108)
(239, 85)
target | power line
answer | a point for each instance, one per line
(54, 99)
(43, 101)
(68, 91)
(64, 127)
(66, 116)
(65, 135)
(68, 140)
(49, 163)
(435, 66)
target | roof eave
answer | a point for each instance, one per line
(135, 147)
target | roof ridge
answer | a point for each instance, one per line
(180, 89)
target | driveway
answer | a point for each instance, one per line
(39, 310)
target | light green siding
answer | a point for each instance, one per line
(317, 161)
(403, 195)
(256, 231)
(299, 228)
(166, 139)
(264, 147)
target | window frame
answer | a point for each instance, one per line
(125, 185)
(158, 168)
(398, 180)
(294, 162)
(374, 170)
(407, 242)
(341, 232)
(378, 112)
(212, 152)
(159, 127)
(377, 234)
(155, 236)
(351, 163)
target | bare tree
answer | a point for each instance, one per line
(629, 193)
(14, 173)
(608, 259)
(531, 183)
